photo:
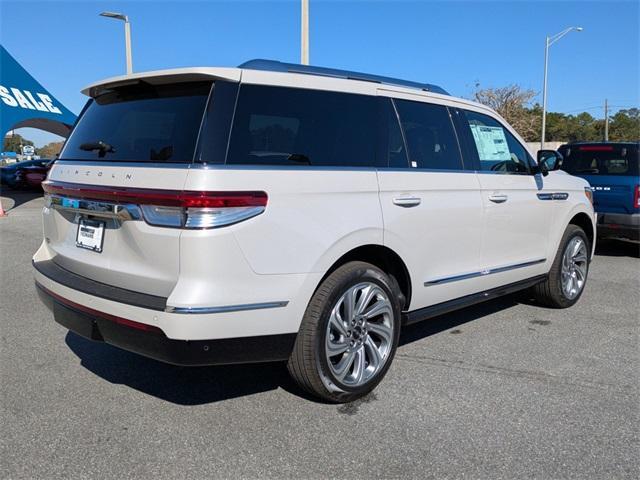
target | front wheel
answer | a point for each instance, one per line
(349, 333)
(568, 275)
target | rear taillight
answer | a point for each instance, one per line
(636, 197)
(206, 209)
(171, 208)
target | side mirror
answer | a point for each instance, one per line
(549, 160)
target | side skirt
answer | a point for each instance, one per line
(468, 300)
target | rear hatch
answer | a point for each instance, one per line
(130, 142)
(611, 170)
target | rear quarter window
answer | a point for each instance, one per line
(301, 127)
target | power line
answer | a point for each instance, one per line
(598, 107)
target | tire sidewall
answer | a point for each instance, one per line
(359, 275)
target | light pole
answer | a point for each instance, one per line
(127, 36)
(304, 32)
(548, 42)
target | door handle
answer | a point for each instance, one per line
(498, 198)
(407, 202)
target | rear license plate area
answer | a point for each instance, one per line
(90, 234)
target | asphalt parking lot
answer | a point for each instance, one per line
(502, 390)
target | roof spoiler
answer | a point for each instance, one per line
(163, 77)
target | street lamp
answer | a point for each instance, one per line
(304, 32)
(548, 42)
(127, 36)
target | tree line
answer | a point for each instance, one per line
(514, 104)
(13, 142)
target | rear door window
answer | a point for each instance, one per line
(600, 159)
(140, 123)
(429, 135)
(300, 127)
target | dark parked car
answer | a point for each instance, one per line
(613, 171)
(32, 176)
(9, 173)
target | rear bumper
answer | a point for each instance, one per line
(619, 225)
(151, 342)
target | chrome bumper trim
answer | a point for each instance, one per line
(466, 276)
(122, 212)
(227, 308)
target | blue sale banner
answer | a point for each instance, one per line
(24, 102)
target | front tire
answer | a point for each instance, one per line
(568, 275)
(349, 334)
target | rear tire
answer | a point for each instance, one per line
(349, 334)
(568, 275)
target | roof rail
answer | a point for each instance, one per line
(276, 66)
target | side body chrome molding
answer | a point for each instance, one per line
(466, 276)
(227, 308)
(457, 303)
(553, 196)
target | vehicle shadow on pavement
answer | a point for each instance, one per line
(617, 248)
(12, 199)
(179, 385)
(426, 328)
(202, 385)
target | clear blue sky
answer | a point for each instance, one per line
(66, 45)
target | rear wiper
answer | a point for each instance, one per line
(102, 147)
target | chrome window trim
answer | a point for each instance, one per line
(226, 308)
(482, 273)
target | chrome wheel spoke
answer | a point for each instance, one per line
(344, 365)
(380, 330)
(359, 366)
(335, 321)
(366, 295)
(349, 305)
(576, 247)
(378, 308)
(579, 274)
(581, 257)
(336, 348)
(375, 358)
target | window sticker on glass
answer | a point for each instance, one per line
(491, 143)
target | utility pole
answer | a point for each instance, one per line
(606, 121)
(304, 33)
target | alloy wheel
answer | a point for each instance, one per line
(359, 335)
(574, 268)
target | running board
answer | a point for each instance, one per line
(445, 307)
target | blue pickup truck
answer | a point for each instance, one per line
(612, 169)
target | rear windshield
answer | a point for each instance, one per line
(600, 159)
(140, 123)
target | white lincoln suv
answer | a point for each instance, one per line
(279, 212)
